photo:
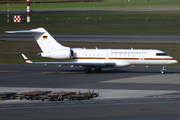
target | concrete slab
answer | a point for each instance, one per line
(152, 79)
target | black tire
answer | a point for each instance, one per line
(87, 70)
(162, 72)
(98, 70)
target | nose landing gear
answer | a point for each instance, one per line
(163, 70)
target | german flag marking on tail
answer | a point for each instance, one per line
(44, 37)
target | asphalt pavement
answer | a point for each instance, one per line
(93, 11)
(125, 93)
(98, 38)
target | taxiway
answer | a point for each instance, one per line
(131, 93)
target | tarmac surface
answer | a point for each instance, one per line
(93, 11)
(98, 38)
(131, 93)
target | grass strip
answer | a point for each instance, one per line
(107, 4)
(113, 23)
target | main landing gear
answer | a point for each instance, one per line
(88, 70)
(98, 70)
(163, 70)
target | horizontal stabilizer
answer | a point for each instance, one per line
(27, 31)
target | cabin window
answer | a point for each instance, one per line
(161, 54)
(122, 55)
(131, 55)
(126, 55)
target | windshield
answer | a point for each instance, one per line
(161, 54)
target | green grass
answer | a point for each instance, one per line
(107, 4)
(11, 51)
(113, 23)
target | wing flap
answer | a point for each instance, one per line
(39, 30)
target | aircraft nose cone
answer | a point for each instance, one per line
(175, 61)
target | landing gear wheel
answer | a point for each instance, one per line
(87, 70)
(98, 70)
(163, 72)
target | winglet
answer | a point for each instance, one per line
(27, 60)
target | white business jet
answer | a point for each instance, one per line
(95, 58)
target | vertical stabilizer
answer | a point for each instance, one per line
(45, 41)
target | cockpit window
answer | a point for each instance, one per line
(161, 54)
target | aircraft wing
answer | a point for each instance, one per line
(76, 63)
(69, 63)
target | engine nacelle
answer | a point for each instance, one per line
(122, 64)
(59, 54)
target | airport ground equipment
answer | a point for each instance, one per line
(31, 95)
(52, 97)
(8, 95)
(48, 95)
(76, 97)
(66, 93)
(28, 96)
(90, 94)
(60, 96)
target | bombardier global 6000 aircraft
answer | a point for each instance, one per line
(95, 58)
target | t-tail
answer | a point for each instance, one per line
(45, 41)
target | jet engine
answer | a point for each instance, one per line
(59, 54)
(122, 64)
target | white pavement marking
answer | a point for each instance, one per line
(152, 79)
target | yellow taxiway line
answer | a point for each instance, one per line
(8, 71)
